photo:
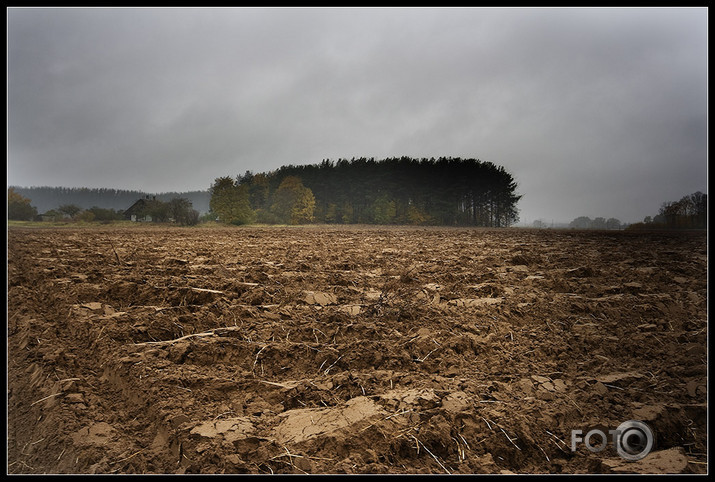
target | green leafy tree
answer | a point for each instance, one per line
(51, 215)
(346, 213)
(230, 201)
(183, 212)
(415, 215)
(193, 217)
(303, 208)
(259, 191)
(384, 210)
(208, 217)
(331, 213)
(85, 216)
(266, 216)
(71, 210)
(284, 198)
(242, 212)
(293, 203)
(222, 193)
(19, 207)
(104, 215)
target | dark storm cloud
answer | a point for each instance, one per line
(598, 112)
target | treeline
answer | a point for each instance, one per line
(46, 198)
(690, 212)
(177, 210)
(444, 191)
(584, 222)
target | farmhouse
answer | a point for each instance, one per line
(139, 210)
(51, 215)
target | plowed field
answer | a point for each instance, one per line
(352, 350)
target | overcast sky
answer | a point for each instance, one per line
(594, 111)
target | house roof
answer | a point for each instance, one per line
(136, 207)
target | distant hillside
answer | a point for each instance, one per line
(46, 198)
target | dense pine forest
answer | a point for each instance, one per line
(444, 191)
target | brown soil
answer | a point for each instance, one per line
(352, 350)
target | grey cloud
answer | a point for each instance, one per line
(598, 112)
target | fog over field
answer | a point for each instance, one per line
(594, 111)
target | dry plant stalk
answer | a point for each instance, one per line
(509, 438)
(127, 458)
(433, 455)
(119, 261)
(45, 398)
